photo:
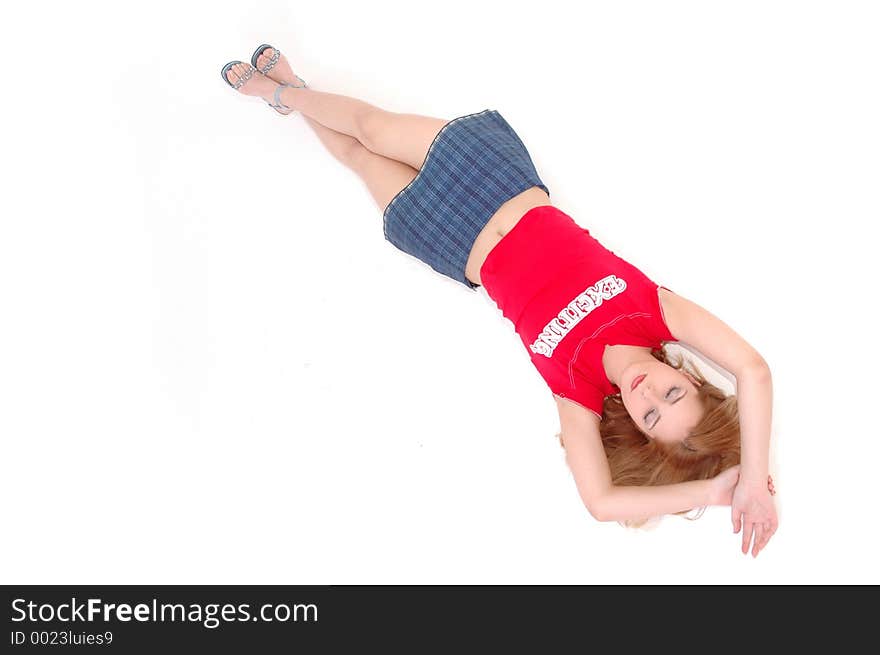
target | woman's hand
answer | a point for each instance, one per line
(753, 510)
(722, 486)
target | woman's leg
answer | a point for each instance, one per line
(383, 177)
(404, 137)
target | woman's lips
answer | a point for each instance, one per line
(637, 381)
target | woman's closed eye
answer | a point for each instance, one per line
(673, 395)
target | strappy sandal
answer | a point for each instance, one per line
(248, 74)
(272, 61)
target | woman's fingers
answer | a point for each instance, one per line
(736, 517)
(765, 536)
(748, 529)
(769, 531)
(759, 539)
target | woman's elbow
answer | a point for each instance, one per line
(602, 517)
(599, 510)
(758, 369)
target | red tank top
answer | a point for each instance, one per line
(568, 297)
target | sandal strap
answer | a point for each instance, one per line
(248, 74)
(272, 61)
(280, 105)
(279, 108)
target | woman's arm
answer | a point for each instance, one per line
(633, 503)
(752, 507)
(585, 457)
(754, 390)
(714, 339)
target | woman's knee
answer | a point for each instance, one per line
(353, 154)
(371, 126)
(402, 137)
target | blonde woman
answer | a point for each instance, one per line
(644, 436)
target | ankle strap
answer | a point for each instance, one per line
(278, 88)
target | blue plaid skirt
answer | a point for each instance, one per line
(475, 164)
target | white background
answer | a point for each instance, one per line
(214, 369)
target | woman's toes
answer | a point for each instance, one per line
(250, 82)
(281, 71)
(236, 73)
(265, 57)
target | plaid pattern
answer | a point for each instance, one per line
(475, 164)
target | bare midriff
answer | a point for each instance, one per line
(499, 225)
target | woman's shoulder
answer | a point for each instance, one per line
(667, 302)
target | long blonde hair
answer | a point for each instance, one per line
(712, 446)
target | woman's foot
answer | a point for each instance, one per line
(255, 84)
(281, 72)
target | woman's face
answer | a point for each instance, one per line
(664, 403)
